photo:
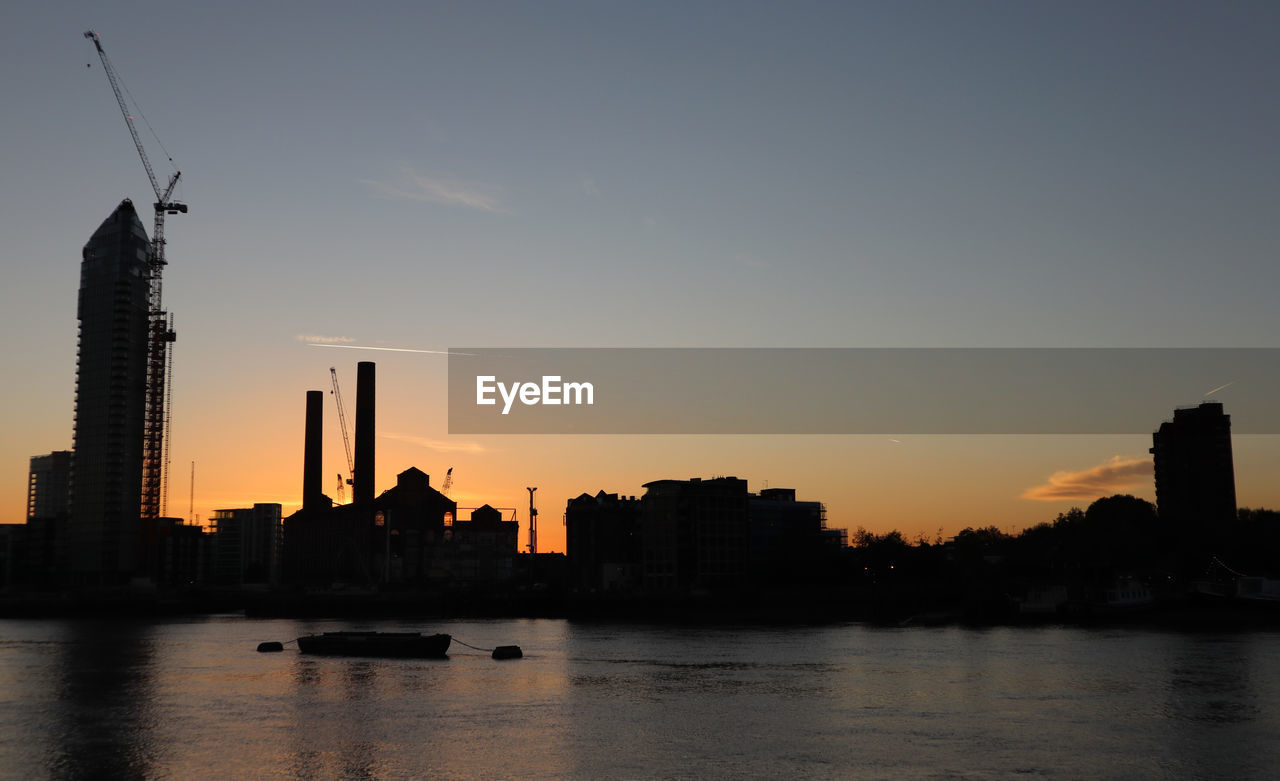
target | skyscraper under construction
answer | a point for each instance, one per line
(111, 396)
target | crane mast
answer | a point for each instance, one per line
(160, 334)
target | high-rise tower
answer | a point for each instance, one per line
(111, 391)
(1195, 475)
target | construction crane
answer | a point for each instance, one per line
(346, 441)
(342, 493)
(160, 334)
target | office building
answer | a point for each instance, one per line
(695, 535)
(247, 544)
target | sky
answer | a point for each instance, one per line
(606, 174)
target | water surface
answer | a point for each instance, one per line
(192, 698)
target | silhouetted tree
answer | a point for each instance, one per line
(1252, 544)
(1116, 535)
(881, 553)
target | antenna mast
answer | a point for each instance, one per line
(533, 523)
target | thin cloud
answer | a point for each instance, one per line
(384, 349)
(1221, 387)
(408, 185)
(751, 262)
(589, 187)
(438, 445)
(322, 340)
(1109, 477)
(235, 500)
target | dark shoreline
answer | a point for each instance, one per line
(1192, 613)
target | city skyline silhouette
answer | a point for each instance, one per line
(1094, 187)
(893, 386)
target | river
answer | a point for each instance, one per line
(192, 698)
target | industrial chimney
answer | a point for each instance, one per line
(362, 492)
(312, 493)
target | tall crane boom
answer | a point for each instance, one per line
(160, 334)
(342, 424)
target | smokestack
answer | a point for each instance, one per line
(311, 464)
(362, 492)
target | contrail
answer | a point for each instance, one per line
(387, 349)
(1220, 387)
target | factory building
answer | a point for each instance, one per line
(409, 535)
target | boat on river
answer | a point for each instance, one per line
(407, 645)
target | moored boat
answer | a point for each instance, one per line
(410, 645)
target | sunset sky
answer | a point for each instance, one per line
(606, 174)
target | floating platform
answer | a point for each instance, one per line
(405, 645)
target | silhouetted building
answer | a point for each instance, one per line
(180, 552)
(479, 552)
(695, 535)
(47, 485)
(788, 538)
(12, 543)
(111, 380)
(332, 545)
(326, 544)
(602, 535)
(43, 550)
(409, 534)
(1195, 476)
(418, 519)
(247, 544)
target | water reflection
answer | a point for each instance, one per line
(354, 718)
(105, 712)
(1210, 703)
(193, 699)
(1211, 685)
(337, 719)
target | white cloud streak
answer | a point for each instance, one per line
(408, 185)
(324, 340)
(1110, 477)
(438, 445)
(384, 349)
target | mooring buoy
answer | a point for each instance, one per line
(507, 652)
(270, 646)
